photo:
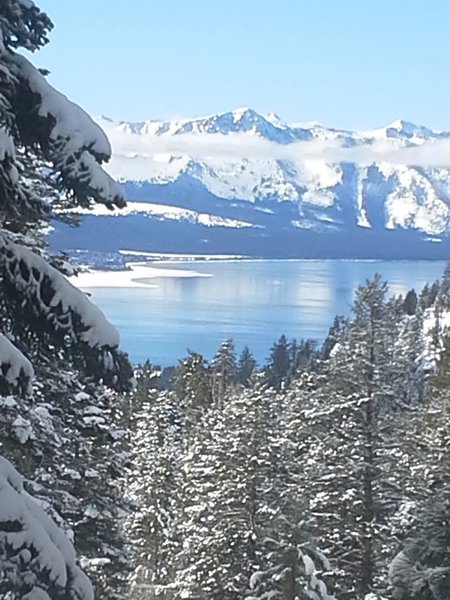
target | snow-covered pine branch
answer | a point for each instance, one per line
(16, 371)
(37, 559)
(39, 124)
(24, 25)
(67, 434)
(54, 306)
(70, 140)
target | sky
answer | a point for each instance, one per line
(353, 64)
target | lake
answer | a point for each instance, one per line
(253, 302)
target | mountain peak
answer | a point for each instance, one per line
(245, 114)
(243, 110)
(408, 129)
(402, 125)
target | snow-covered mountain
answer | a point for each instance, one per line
(253, 173)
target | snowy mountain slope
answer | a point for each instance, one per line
(245, 170)
(161, 211)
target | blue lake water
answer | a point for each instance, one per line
(253, 302)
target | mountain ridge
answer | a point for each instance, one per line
(265, 177)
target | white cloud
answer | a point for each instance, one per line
(432, 153)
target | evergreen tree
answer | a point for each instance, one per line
(444, 288)
(223, 371)
(288, 564)
(408, 369)
(225, 477)
(37, 559)
(421, 570)
(428, 295)
(291, 565)
(192, 386)
(334, 333)
(302, 356)
(61, 423)
(346, 433)
(247, 365)
(155, 486)
(410, 302)
(279, 364)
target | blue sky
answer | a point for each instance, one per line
(346, 63)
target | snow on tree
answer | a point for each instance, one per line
(223, 371)
(17, 371)
(54, 309)
(352, 453)
(154, 489)
(346, 430)
(192, 385)
(37, 118)
(40, 126)
(236, 503)
(287, 563)
(218, 509)
(37, 560)
(219, 503)
(421, 570)
(334, 333)
(61, 424)
(291, 565)
(70, 443)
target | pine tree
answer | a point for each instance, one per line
(225, 476)
(41, 312)
(193, 388)
(421, 570)
(334, 333)
(279, 364)
(61, 423)
(410, 303)
(223, 371)
(428, 295)
(346, 430)
(37, 559)
(302, 356)
(247, 365)
(288, 564)
(155, 486)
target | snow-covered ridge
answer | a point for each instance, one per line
(269, 127)
(394, 177)
(163, 211)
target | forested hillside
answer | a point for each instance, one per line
(322, 475)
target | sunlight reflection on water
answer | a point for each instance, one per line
(253, 302)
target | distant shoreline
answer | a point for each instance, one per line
(142, 274)
(170, 256)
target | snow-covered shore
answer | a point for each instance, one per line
(136, 275)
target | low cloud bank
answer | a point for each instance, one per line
(431, 153)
